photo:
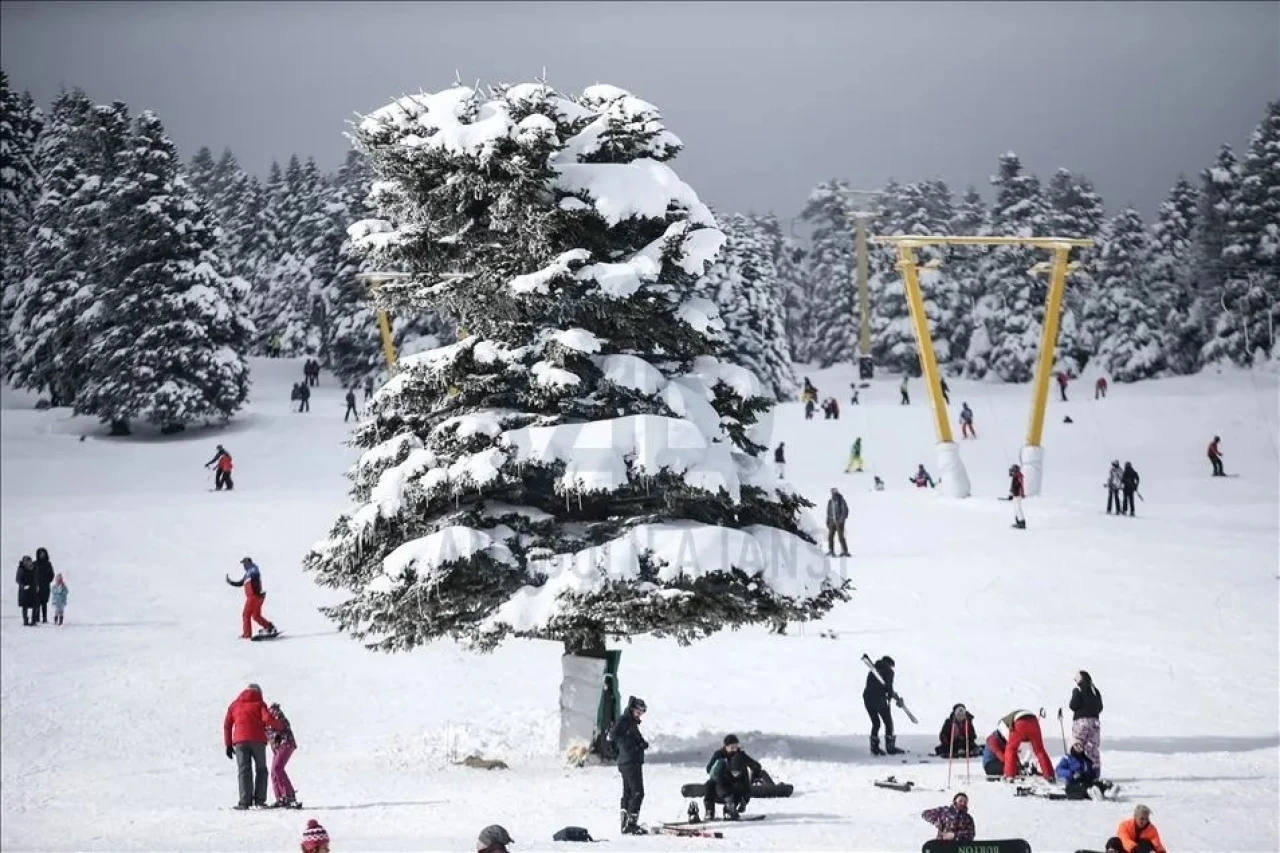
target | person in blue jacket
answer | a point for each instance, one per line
(1079, 774)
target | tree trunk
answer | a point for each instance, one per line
(120, 427)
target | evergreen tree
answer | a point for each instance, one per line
(171, 344)
(265, 241)
(200, 174)
(797, 299)
(829, 268)
(1075, 211)
(538, 477)
(1218, 185)
(1125, 316)
(968, 220)
(20, 125)
(1251, 252)
(1172, 247)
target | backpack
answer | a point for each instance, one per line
(572, 833)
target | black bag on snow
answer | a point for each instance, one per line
(572, 833)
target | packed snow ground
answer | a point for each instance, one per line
(112, 723)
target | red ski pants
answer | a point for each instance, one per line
(252, 612)
(1026, 729)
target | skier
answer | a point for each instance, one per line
(221, 463)
(1086, 708)
(44, 582)
(1215, 457)
(1138, 834)
(1079, 774)
(253, 598)
(1100, 388)
(304, 398)
(58, 597)
(494, 839)
(875, 698)
(921, 478)
(1129, 481)
(853, 393)
(808, 409)
(954, 823)
(314, 838)
(957, 737)
(295, 395)
(351, 405)
(878, 484)
(1062, 384)
(730, 775)
(1113, 486)
(902, 389)
(946, 391)
(837, 515)
(966, 422)
(1017, 491)
(780, 459)
(283, 745)
(368, 387)
(1018, 727)
(244, 733)
(275, 346)
(855, 457)
(630, 744)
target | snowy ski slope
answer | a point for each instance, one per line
(111, 724)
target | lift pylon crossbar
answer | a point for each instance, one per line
(915, 241)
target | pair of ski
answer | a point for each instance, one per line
(685, 829)
(1110, 793)
(901, 704)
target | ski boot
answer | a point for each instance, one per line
(730, 809)
(875, 746)
(624, 820)
(891, 746)
(709, 807)
(632, 825)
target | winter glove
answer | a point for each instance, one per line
(231, 752)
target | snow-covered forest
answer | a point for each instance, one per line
(135, 284)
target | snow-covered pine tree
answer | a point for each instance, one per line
(1218, 185)
(200, 175)
(265, 238)
(1251, 252)
(1172, 245)
(20, 125)
(968, 220)
(577, 465)
(1076, 211)
(1007, 316)
(1123, 314)
(289, 312)
(171, 345)
(829, 268)
(797, 300)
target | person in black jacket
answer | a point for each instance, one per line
(876, 696)
(730, 775)
(351, 405)
(1129, 481)
(1086, 708)
(44, 582)
(780, 459)
(957, 737)
(28, 598)
(631, 745)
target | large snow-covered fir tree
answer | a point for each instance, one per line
(1251, 252)
(20, 125)
(829, 267)
(1172, 246)
(968, 220)
(1076, 211)
(1123, 315)
(797, 299)
(173, 335)
(1218, 185)
(577, 465)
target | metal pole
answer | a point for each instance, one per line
(1048, 344)
(864, 289)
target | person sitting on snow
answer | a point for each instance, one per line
(954, 823)
(957, 738)
(921, 478)
(1137, 834)
(730, 775)
(1079, 774)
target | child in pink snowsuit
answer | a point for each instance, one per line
(282, 747)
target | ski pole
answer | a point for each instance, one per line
(1062, 729)
(968, 778)
(951, 752)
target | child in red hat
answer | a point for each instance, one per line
(314, 838)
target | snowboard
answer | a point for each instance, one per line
(894, 785)
(758, 792)
(1003, 845)
(742, 818)
(263, 636)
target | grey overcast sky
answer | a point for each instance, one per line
(769, 98)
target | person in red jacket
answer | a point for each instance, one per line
(244, 731)
(1062, 384)
(1100, 388)
(1022, 727)
(253, 598)
(1215, 457)
(221, 463)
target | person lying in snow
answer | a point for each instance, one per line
(730, 775)
(954, 823)
(957, 738)
(1079, 774)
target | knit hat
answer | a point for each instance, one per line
(255, 688)
(494, 834)
(637, 703)
(313, 836)
(730, 740)
(958, 796)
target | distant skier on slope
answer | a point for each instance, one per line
(875, 698)
(966, 422)
(921, 478)
(1215, 457)
(902, 389)
(351, 405)
(1129, 482)
(1100, 388)
(254, 595)
(1063, 379)
(837, 515)
(1113, 487)
(221, 463)
(780, 460)
(1017, 491)
(855, 457)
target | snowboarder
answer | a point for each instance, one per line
(902, 389)
(837, 515)
(1079, 774)
(1017, 491)
(304, 398)
(253, 598)
(244, 733)
(283, 745)
(368, 387)
(921, 478)
(28, 597)
(44, 582)
(1062, 384)
(957, 737)
(314, 838)
(855, 457)
(351, 405)
(494, 839)
(1215, 457)
(954, 823)
(946, 391)
(1016, 728)
(730, 775)
(1129, 482)
(1113, 486)
(808, 409)
(853, 393)
(221, 463)
(780, 459)
(1100, 388)
(1086, 708)
(966, 422)
(875, 698)
(630, 744)
(58, 597)
(1138, 834)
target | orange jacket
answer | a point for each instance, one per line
(224, 462)
(1130, 835)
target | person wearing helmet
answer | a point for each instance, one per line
(630, 744)
(1017, 491)
(494, 839)
(254, 595)
(730, 775)
(1215, 457)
